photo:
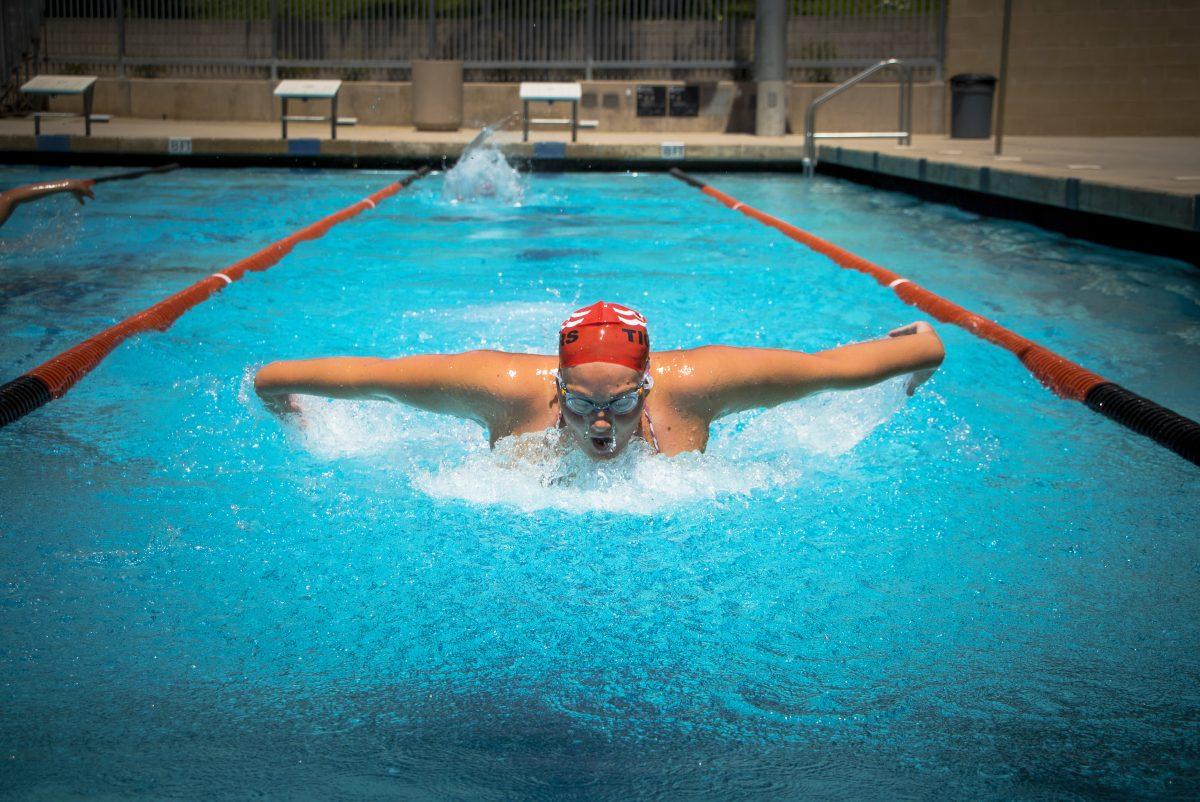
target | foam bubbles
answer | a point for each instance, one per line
(448, 459)
(826, 424)
(383, 433)
(543, 470)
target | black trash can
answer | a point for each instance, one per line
(971, 106)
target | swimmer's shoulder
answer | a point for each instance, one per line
(686, 366)
(523, 389)
(683, 375)
(513, 375)
(692, 380)
(713, 361)
(486, 361)
(481, 372)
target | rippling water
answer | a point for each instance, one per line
(977, 592)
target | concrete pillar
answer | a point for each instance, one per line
(770, 67)
(437, 95)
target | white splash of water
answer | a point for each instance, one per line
(54, 232)
(483, 174)
(383, 432)
(543, 470)
(826, 424)
(449, 459)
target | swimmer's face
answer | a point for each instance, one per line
(603, 434)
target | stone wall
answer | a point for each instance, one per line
(1087, 67)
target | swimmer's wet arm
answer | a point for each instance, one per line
(914, 349)
(454, 384)
(80, 187)
(729, 380)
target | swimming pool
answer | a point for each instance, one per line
(982, 591)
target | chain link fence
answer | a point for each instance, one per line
(498, 40)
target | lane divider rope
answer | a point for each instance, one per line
(53, 378)
(1062, 376)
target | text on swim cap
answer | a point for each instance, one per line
(642, 339)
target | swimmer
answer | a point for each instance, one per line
(79, 187)
(603, 387)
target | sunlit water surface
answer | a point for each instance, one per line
(979, 592)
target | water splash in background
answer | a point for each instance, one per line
(482, 173)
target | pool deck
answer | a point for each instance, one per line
(399, 144)
(1150, 181)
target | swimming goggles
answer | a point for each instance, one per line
(621, 405)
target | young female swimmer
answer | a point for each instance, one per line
(603, 387)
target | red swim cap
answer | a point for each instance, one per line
(604, 332)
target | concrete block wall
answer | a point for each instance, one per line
(239, 100)
(868, 107)
(1087, 67)
(613, 104)
(725, 106)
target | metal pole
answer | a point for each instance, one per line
(770, 67)
(430, 31)
(908, 104)
(4, 42)
(275, 41)
(589, 36)
(1003, 76)
(943, 10)
(120, 38)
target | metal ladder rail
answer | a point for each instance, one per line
(905, 122)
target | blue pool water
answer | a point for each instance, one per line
(979, 592)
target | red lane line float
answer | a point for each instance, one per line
(53, 378)
(1064, 377)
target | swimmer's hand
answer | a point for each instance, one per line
(281, 405)
(278, 400)
(81, 188)
(917, 377)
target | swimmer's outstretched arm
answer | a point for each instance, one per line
(475, 385)
(729, 380)
(79, 187)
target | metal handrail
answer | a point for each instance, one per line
(905, 124)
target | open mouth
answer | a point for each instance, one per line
(604, 445)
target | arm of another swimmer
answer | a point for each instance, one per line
(79, 187)
(749, 378)
(455, 384)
